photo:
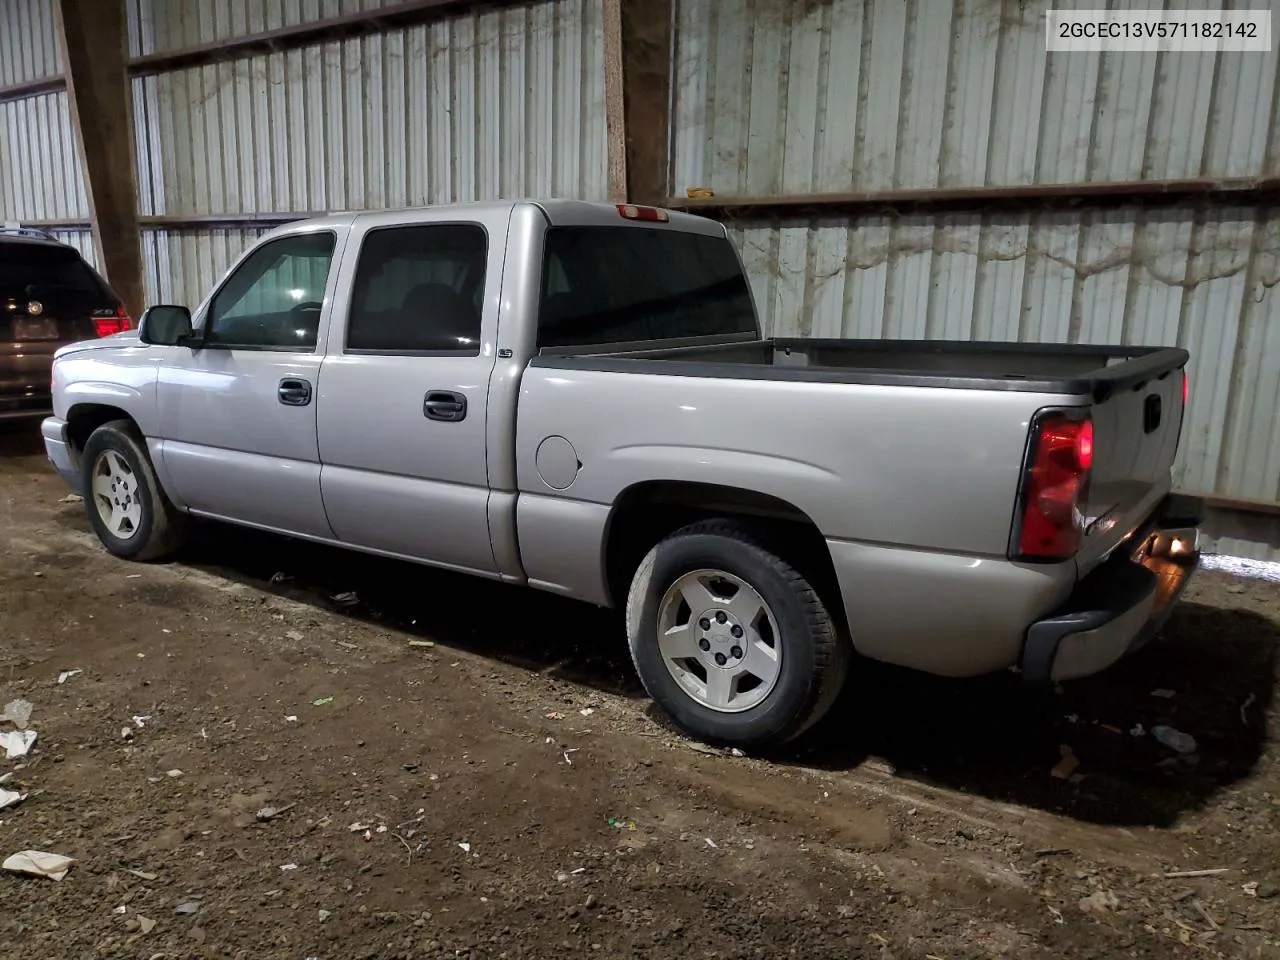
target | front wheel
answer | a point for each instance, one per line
(730, 639)
(129, 512)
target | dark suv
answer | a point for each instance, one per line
(49, 296)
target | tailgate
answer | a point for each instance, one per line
(1135, 434)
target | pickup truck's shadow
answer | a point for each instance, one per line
(994, 737)
(527, 628)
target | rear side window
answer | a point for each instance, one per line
(616, 284)
(419, 290)
(36, 271)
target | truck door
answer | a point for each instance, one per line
(402, 425)
(238, 416)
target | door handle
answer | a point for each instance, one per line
(444, 405)
(294, 392)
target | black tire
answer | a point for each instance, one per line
(815, 657)
(160, 526)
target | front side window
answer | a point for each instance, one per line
(274, 297)
(617, 284)
(419, 289)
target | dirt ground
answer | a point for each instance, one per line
(467, 770)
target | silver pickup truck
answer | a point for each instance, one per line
(577, 397)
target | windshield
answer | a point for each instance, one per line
(619, 284)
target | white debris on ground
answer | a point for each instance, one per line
(17, 743)
(17, 712)
(38, 864)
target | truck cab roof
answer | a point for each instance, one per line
(559, 213)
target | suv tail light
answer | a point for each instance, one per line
(1050, 520)
(120, 320)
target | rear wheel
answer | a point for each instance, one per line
(730, 639)
(129, 512)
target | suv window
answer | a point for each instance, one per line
(613, 284)
(50, 273)
(273, 299)
(419, 290)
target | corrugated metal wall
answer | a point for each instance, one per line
(499, 104)
(40, 176)
(40, 173)
(801, 96)
(162, 26)
(29, 47)
(776, 97)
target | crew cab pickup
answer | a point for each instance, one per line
(578, 397)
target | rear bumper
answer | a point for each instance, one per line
(1121, 605)
(60, 452)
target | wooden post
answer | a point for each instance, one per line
(95, 54)
(638, 51)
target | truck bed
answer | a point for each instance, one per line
(1076, 369)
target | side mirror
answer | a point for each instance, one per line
(165, 325)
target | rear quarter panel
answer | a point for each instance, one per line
(913, 489)
(929, 468)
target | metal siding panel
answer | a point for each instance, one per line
(1001, 278)
(1019, 96)
(876, 94)
(40, 173)
(922, 121)
(29, 47)
(176, 24)
(506, 103)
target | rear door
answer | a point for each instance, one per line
(402, 425)
(49, 297)
(1135, 439)
(238, 416)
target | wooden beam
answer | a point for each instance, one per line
(984, 199)
(344, 26)
(646, 53)
(615, 111)
(95, 51)
(32, 88)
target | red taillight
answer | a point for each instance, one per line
(1186, 387)
(120, 320)
(1055, 487)
(647, 214)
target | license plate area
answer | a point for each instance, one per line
(34, 328)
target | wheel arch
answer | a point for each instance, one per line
(87, 416)
(648, 511)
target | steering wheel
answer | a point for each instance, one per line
(307, 306)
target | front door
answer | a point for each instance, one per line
(238, 416)
(402, 424)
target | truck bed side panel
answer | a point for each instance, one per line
(926, 468)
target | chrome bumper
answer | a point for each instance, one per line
(1119, 607)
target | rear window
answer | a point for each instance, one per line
(35, 270)
(615, 284)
